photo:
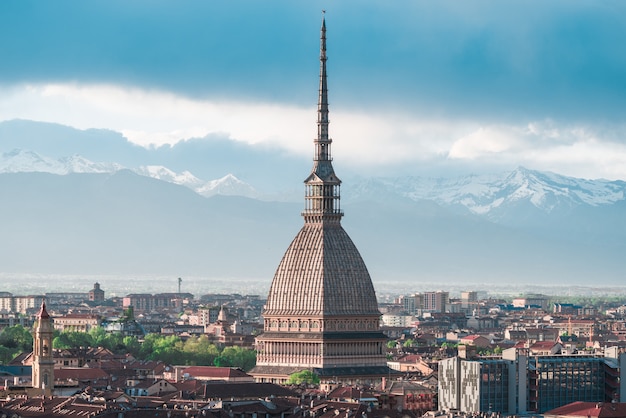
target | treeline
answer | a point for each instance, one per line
(194, 351)
(13, 341)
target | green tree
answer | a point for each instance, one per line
(199, 351)
(168, 349)
(221, 361)
(132, 345)
(98, 335)
(240, 357)
(16, 337)
(408, 343)
(304, 376)
(72, 339)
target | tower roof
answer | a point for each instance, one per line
(43, 313)
(322, 274)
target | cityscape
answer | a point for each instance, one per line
(521, 310)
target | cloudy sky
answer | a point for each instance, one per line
(417, 87)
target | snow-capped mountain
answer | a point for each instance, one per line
(497, 197)
(228, 185)
(163, 173)
(489, 195)
(24, 161)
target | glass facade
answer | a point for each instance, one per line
(494, 385)
(564, 379)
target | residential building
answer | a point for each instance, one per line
(532, 301)
(77, 322)
(469, 300)
(435, 301)
(146, 302)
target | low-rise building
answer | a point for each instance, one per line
(77, 322)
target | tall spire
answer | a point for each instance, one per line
(322, 103)
(322, 186)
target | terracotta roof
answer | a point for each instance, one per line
(349, 392)
(410, 358)
(472, 337)
(51, 407)
(401, 387)
(590, 409)
(543, 345)
(215, 372)
(80, 373)
(244, 390)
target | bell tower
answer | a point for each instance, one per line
(43, 362)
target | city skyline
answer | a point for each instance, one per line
(417, 87)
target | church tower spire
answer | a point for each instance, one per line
(43, 362)
(322, 186)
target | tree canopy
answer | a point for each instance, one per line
(13, 341)
(194, 351)
(304, 376)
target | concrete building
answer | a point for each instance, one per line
(520, 382)
(321, 312)
(77, 322)
(145, 302)
(412, 304)
(469, 300)
(532, 301)
(435, 301)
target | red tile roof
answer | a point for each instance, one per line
(80, 373)
(214, 372)
(591, 409)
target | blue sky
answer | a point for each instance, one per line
(416, 87)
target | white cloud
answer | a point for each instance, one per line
(486, 141)
(385, 138)
(571, 150)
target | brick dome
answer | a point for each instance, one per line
(322, 273)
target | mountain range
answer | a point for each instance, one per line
(70, 213)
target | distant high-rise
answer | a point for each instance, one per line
(435, 301)
(469, 300)
(321, 312)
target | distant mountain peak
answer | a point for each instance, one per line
(163, 173)
(493, 194)
(21, 161)
(229, 185)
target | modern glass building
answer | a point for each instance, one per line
(519, 382)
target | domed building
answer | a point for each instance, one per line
(321, 312)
